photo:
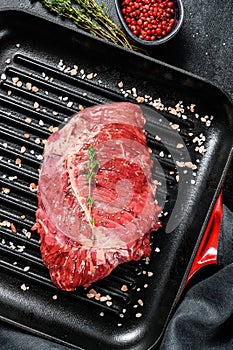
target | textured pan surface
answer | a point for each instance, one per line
(31, 50)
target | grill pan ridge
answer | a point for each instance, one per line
(134, 318)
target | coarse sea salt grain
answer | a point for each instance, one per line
(3, 76)
(24, 287)
(161, 154)
(70, 104)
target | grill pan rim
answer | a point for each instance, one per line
(36, 332)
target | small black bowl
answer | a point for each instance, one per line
(179, 16)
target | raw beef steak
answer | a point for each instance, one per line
(90, 224)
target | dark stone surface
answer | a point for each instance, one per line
(204, 44)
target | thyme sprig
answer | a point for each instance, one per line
(91, 17)
(91, 165)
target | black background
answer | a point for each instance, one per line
(204, 44)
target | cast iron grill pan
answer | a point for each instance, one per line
(31, 50)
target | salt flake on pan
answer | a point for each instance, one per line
(3, 76)
(24, 287)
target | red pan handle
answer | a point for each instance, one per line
(207, 251)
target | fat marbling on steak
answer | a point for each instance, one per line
(124, 211)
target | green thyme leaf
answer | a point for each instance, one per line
(91, 17)
(91, 165)
(90, 201)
